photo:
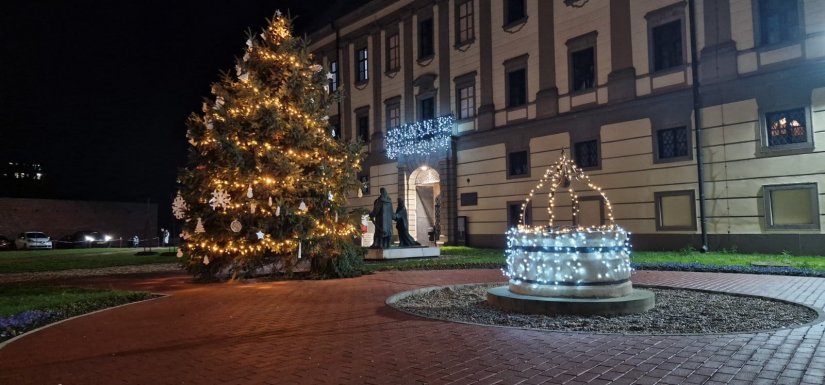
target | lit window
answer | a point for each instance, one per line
(333, 81)
(786, 127)
(365, 184)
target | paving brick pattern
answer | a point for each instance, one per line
(341, 332)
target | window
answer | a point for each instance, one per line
(791, 206)
(465, 30)
(333, 82)
(675, 210)
(518, 164)
(426, 46)
(393, 53)
(587, 153)
(785, 128)
(778, 21)
(514, 214)
(591, 211)
(427, 108)
(466, 102)
(363, 127)
(365, 183)
(514, 11)
(393, 115)
(363, 66)
(516, 88)
(469, 199)
(667, 45)
(583, 69)
(672, 143)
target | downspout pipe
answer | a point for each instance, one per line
(697, 105)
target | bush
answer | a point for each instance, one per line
(341, 259)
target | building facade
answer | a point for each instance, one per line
(614, 84)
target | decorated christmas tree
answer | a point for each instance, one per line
(265, 183)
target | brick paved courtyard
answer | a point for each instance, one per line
(341, 332)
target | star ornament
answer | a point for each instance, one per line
(260, 234)
(330, 76)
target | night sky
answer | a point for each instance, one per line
(99, 91)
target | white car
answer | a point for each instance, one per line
(33, 240)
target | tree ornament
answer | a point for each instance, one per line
(180, 253)
(252, 207)
(330, 76)
(303, 207)
(206, 260)
(235, 226)
(260, 234)
(360, 193)
(179, 207)
(249, 192)
(336, 216)
(270, 201)
(278, 211)
(219, 102)
(184, 235)
(299, 249)
(199, 227)
(329, 195)
(316, 67)
(220, 198)
(244, 77)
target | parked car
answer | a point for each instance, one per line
(84, 239)
(5, 243)
(33, 240)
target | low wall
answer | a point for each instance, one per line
(57, 218)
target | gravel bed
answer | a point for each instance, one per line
(677, 311)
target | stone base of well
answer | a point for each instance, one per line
(637, 301)
(401, 253)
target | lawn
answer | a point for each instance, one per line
(457, 257)
(24, 307)
(25, 261)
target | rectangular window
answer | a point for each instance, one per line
(675, 210)
(466, 102)
(427, 108)
(778, 21)
(333, 81)
(667, 45)
(514, 11)
(364, 128)
(469, 199)
(516, 88)
(465, 31)
(363, 66)
(792, 206)
(514, 214)
(426, 45)
(393, 53)
(672, 143)
(517, 164)
(583, 69)
(365, 183)
(591, 211)
(393, 115)
(587, 153)
(786, 127)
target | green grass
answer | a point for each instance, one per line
(729, 259)
(56, 260)
(459, 257)
(19, 297)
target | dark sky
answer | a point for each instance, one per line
(98, 91)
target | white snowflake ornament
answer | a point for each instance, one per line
(220, 198)
(179, 207)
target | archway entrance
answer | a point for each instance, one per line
(423, 197)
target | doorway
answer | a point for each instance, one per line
(423, 198)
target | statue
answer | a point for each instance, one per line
(402, 224)
(382, 216)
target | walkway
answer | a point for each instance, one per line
(340, 332)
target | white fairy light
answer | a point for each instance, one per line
(420, 138)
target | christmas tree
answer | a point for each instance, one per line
(266, 179)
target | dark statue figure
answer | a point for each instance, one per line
(402, 224)
(382, 216)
